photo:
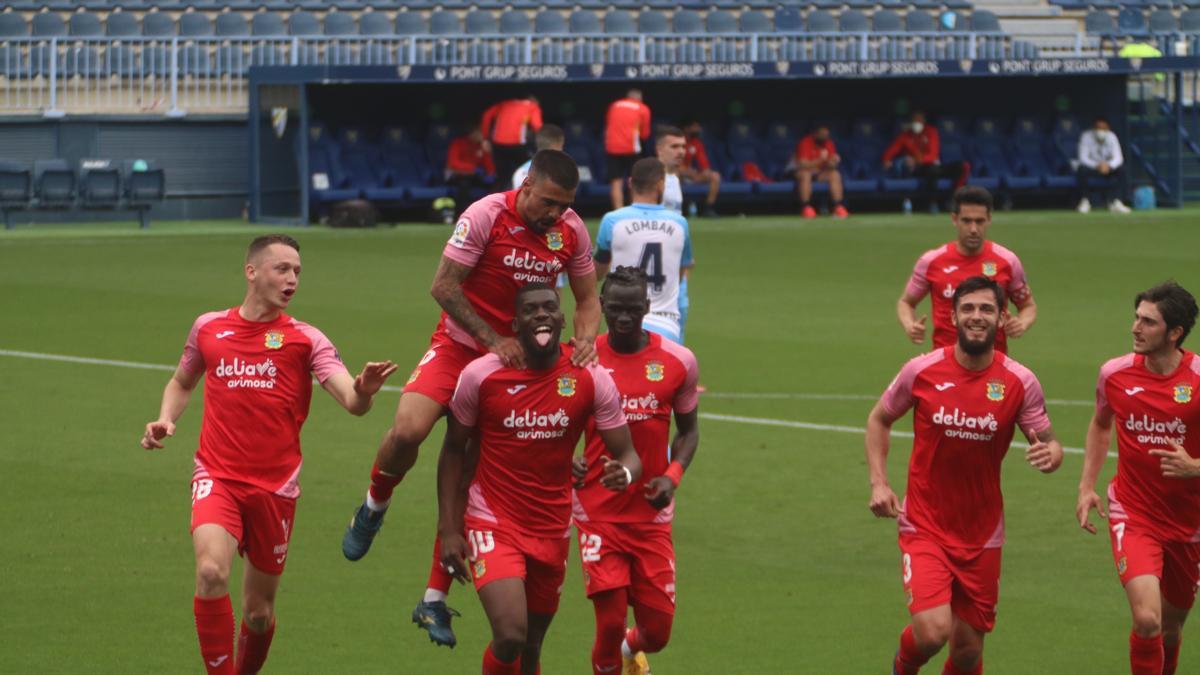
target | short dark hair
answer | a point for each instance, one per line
(549, 136)
(645, 174)
(626, 276)
(531, 287)
(557, 166)
(973, 284)
(665, 130)
(974, 195)
(1177, 306)
(1098, 119)
(261, 243)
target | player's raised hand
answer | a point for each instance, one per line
(579, 467)
(1176, 462)
(1043, 456)
(884, 502)
(155, 432)
(510, 352)
(916, 330)
(1088, 500)
(454, 556)
(660, 491)
(372, 377)
(585, 352)
(616, 476)
(1014, 326)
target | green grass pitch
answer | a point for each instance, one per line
(782, 569)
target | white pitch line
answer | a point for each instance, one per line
(83, 359)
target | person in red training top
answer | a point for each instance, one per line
(939, 271)
(506, 128)
(626, 127)
(468, 164)
(625, 538)
(516, 512)
(258, 364)
(1153, 396)
(920, 149)
(967, 401)
(817, 159)
(698, 169)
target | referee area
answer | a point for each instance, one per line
(781, 567)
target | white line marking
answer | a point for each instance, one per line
(83, 359)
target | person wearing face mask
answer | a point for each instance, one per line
(918, 147)
(1099, 172)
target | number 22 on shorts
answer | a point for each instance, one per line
(589, 547)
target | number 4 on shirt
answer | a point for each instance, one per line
(651, 262)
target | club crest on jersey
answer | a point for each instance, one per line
(995, 391)
(1122, 564)
(273, 340)
(480, 568)
(655, 371)
(566, 386)
(1183, 393)
(554, 241)
(989, 269)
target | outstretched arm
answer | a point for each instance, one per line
(356, 394)
(174, 401)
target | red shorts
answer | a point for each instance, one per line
(1137, 552)
(541, 563)
(436, 374)
(260, 521)
(966, 579)
(637, 556)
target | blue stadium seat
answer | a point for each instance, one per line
(1163, 21)
(1189, 20)
(84, 60)
(231, 24)
(481, 21)
(13, 64)
(156, 60)
(853, 21)
(444, 22)
(515, 22)
(886, 21)
(99, 183)
(267, 55)
(653, 22)
(42, 58)
(789, 20)
(194, 24)
(720, 21)
(755, 21)
(621, 52)
(374, 23)
(48, 24)
(304, 23)
(1098, 22)
(54, 183)
(1131, 21)
(917, 21)
(85, 24)
(820, 21)
(437, 143)
(988, 128)
(549, 22)
(687, 21)
(584, 21)
(195, 60)
(122, 24)
(328, 182)
(16, 189)
(13, 24)
(158, 24)
(411, 23)
(951, 127)
(267, 24)
(984, 21)
(619, 21)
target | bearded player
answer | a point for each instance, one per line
(967, 401)
(625, 538)
(517, 510)
(1154, 499)
(257, 363)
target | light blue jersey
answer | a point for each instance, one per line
(657, 240)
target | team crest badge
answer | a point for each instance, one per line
(908, 592)
(273, 340)
(1183, 393)
(480, 568)
(279, 120)
(554, 241)
(995, 391)
(566, 386)
(989, 269)
(1122, 565)
(655, 371)
(413, 378)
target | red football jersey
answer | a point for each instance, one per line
(810, 150)
(963, 422)
(1148, 410)
(939, 271)
(654, 382)
(626, 125)
(529, 422)
(257, 389)
(505, 255)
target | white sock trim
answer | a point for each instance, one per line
(375, 506)
(625, 650)
(434, 595)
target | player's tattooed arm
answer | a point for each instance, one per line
(1099, 437)
(884, 502)
(661, 489)
(447, 290)
(1045, 452)
(453, 467)
(175, 399)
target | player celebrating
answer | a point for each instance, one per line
(1154, 499)
(653, 238)
(940, 270)
(517, 511)
(258, 365)
(625, 538)
(967, 401)
(502, 242)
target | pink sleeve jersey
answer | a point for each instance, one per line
(257, 391)
(1150, 410)
(653, 383)
(963, 424)
(504, 255)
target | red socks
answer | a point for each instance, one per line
(610, 607)
(1171, 657)
(252, 649)
(214, 627)
(909, 659)
(494, 666)
(439, 579)
(1146, 655)
(951, 669)
(382, 484)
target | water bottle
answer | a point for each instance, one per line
(907, 206)
(692, 210)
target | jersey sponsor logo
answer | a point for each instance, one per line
(948, 291)
(429, 356)
(530, 268)
(995, 390)
(532, 425)
(566, 385)
(989, 269)
(554, 241)
(1183, 393)
(943, 386)
(273, 340)
(655, 371)
(1134, 391)
(1151, 431)
(639, 408)
(515, 388)
(223, 334)
(966, 426)
(949, 269)
(459, 238)
(413, 378)
(246, 375)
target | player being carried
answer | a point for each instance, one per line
(1154, 499)
(625, 538)
(939, 271)
(501, 243)
(967, 401)
(516, 513)
(258, 364)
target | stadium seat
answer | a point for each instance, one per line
(444, 22)
(1162, 21)
(122, 24)
(13, 64)
(84, 60)
(984, 21)
(231, 24)
(653, 22)
(267, 24)
(584, 21)
(304, 23)
(437, 143)
(48, 24)
(85, 24)
(820, 21)
(917, 21)
(54, 183)
(374, 23)
(951, 127)
(99, 183)
(13, 24)
(411, 23)
(852, 21)
(1131, 21)
(621, 52)
(340, 23)
(42, 58)
(156, 60)
(1098, 22)
(789, 20)
(1189, 21)
(515, 22)
(145, 185)
(549, 22)
(755, 21)
(158, 24)
(720, 21)
(16, 189)
(194, 60)
(687, 21)
(619, 21)
(194, 24)
(481, 22)
(886, 21)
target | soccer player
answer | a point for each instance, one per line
(1154, 499)
(648, 236)
(625, 538)
(506, 127)
(967, 401)
(939, 271)
(549, 137)
(670, 146)
(626, 127)
(817, 158)
(517, 511)
(258, 364)
(501, 243)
